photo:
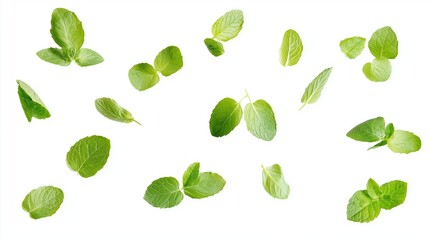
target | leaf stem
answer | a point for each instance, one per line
(136, 122)
(302, 106)
(248, 96)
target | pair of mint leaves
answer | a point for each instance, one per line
(376, 130)
(67, 31)
(366, 205)
(383, 45)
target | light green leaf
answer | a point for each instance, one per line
(228, 26)
(88, 57)
(393, 194)
(143, 76)
(207, 184)
(88, 155)
(67, 30)
(43, 201)
(55, 56)
(361, 208)
(225, 117)
(169, 61)
(111, 110)
(378, 71)
(369, 131)
(372, 189)
(352, 47)
(163, 193)
(274, 182)
(314, 90)
(214, 47)
(191, 174)
(404, 142)
(291, 48)
(260, 120)
(384, 43)
(31, 102)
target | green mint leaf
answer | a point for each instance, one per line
(314, 90)
(163, 193)
(228, 26)
(143, 76)
(260, 120)
(291, 48)
(352, 47)
(369, 131)
(393, 194)
(55, 56)
(378, 71)
(404, 142)
(362, 208)
(191, 174)
(169, 61)
(43, 201)
(214, 47)
(67, 30)
(111, 110)
(88, 155)
(274, 182)
(384, 43)
(225, 117)
(88, 57)
(207, 184)
(390, 129)
(31, 102)
(380, 144)
(373, 189)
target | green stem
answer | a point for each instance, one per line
(137, 122)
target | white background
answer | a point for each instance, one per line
(323, 167)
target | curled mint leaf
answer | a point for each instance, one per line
(314, 89)
(169, 61)
(404, 142)
(111, 110)
(164, 193)
(384, 43)
(225, 117)
(274, 182)
(214, 47)
(291, 48)
(31, 102)
(378, 71)
(228, 26)
(43, 201)
(352, 47)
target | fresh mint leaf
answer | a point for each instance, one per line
(352, 47)
(67, 30)
(393, 194)
(164, 193)
(274, 182)
(373, 189)
(111, 110)
(378, 71)
(228, 26)
(214, 47)
(43, 201)
(191, 174)
(314, 90)
(88, 57)
(369, 131)
(260, 120)
(207, 184)
(88, 155)
(404, 142)
(225, 117)
(54, 56)
(362, 208)
(169, 61)
(31, 102)
(390, 129)
(384, 43)
(143, 76)
(291, 48)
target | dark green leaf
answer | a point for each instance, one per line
(369, 131)
(225, 117)
(214, 47)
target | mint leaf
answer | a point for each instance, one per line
(362, 208)
(164, 193)
(274, 182)
(369, 131)
(314, 90)
(404, 142)
(390, 129)
(225, 117)
(291, 48)
(55, 56)
(111, 110)
(379, 144)
(88, 57)
(67, 30)
(384, 43)
(191, 174)
(372, 189)
(169, 61)
(378, 71)
(31, 102)
(88, 155)
(228, 26)
(43, 201)
(260, 120)
(214, 47)
(352, 47)
(207, 184)
(143, 76)
(393, 194)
